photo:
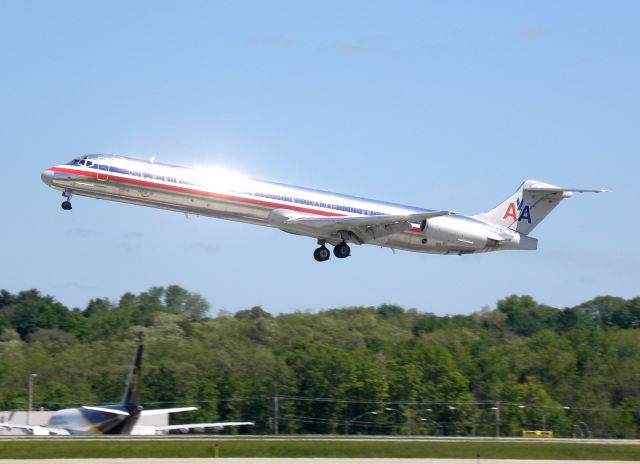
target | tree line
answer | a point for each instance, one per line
(377, 370)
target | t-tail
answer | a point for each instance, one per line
(529, 205)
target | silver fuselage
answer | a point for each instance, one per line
(222, 194)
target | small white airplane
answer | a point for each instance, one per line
(115, 419)
(328, 217)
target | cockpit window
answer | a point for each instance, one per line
(85, 162)
(82, 161)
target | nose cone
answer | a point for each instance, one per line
(47, 177)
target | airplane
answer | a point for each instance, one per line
(330, 218)
(115, 419)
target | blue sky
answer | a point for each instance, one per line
(435, 104)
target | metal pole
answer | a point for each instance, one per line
(31, 377)
(276, 415)
(496, 408)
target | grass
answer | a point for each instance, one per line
(69, 448)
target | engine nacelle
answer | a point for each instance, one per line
(466, 233)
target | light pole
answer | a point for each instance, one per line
(544, 422)
(566, 410)
(31, 378)
(431, 421)
(496, 408)
(347, 423)
(393, 410)
(586, 428)
(404, 415)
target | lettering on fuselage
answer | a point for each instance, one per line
(514, 208)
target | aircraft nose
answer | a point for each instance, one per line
(47, 177)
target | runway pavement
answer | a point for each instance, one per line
(300, 461)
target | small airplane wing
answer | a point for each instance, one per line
(152, 412)
(209, 425)
(364, 221)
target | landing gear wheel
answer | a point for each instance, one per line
(321, 254)
(341, 250)
(66, 204)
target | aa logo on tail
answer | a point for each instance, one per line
(513, 208)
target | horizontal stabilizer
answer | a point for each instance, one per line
(107, 410)
(153, 412)
(560, 189)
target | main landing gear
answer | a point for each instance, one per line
(341, 250)
(321, 254)
(66, 205)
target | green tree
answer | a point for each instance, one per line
(525, 316)
(182, 301)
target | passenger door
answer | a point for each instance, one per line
(103, 172)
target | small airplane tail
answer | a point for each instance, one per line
(528, 206)
(132, 386)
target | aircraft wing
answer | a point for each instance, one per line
(159, 429)
(361, 229)
(152, 412)
(35, 429)
(209, 425)
(365, 221)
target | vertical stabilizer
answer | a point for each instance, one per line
(528, 206)
(133, 379)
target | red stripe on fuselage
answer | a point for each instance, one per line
(176, 188)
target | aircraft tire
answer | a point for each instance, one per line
(66, 205)
(341, 250)
(321, 254)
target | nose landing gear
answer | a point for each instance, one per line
(66, 205)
